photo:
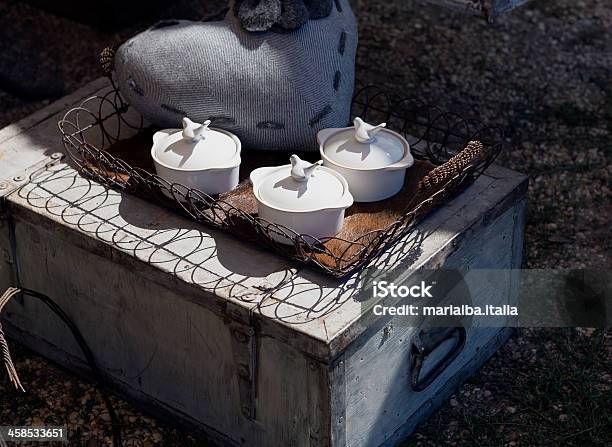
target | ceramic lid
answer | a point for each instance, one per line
(196, 147)
(365, 146)
(301, 186)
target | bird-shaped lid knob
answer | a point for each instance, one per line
(302, 170)
(194, 131)
(364, 132)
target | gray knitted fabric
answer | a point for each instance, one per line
(273, 90)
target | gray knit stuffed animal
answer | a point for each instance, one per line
(274, 72)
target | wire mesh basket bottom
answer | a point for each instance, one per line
(451, 152)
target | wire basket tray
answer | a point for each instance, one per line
(451, 151)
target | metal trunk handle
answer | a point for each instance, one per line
(424, 343)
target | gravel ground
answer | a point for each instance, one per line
(544, 72)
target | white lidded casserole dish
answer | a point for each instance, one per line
(306, 198)
(197, 156)
(372, 159)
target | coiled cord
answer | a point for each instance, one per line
(55, 308)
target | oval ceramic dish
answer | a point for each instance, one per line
(197, 157)
(306, 198)
(371, 158)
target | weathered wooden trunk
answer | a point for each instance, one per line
(224, 336)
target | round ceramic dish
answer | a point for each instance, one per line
(197, 157)
(371, 158)
(305, 197)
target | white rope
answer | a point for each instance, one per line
(6, 354)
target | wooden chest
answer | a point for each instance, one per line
(221, 335)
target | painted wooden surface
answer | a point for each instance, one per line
(445, 388)
(379, 400)
(311, 311)
(129, 277)
(222, 335)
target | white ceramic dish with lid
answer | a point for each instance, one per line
(305, 197)
(198, 156)
(372, 159)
